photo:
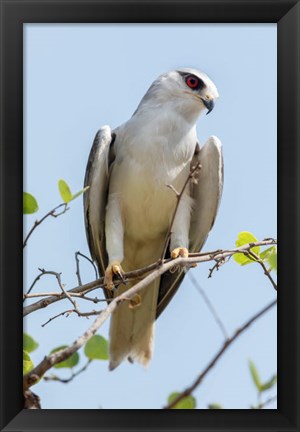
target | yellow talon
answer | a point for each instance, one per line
(180, 251)
(114, 268)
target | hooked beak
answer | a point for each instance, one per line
(209, 104)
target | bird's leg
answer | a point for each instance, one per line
(180, 251)
(180, 229)
(114, 233)
(113, 269)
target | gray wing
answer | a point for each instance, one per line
(95, 198)
(207, 195)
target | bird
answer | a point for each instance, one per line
(128, 206)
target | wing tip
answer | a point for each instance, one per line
(104, 133)
(215, 141)
(105, 128)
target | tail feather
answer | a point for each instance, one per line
(132, 330)
(121, 323)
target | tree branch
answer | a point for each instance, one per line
(77, 254)
(219, 354)
(67, 380)
(31, 400)
(194, 258)
(60, 284)
(266, 402)
(33, 376)
(209, 305)
(61, 355)
(266, 272)
(31, 286)
(69, 312)
(192, 176)
(50, 213)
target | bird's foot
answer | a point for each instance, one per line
(179, 252)
(113, 269)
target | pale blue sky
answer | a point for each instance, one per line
(80, 77)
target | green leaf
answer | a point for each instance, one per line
(27, 363)
(80, 192)
(70, 362)
(245, 237)
(270, 255)
(272, 260)
(266, 253)
(189, 402)
(269, 384)
(255, 375)
(29, 344)
(64, 191)
(215, 406)
(96, 348)
(30, 204)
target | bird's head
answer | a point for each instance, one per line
(187, 90)
(198, 86)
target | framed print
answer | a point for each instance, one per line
(156, 176)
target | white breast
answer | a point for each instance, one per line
(150, 156)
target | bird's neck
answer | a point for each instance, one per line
(159, 104)
(168, 117)
(161, 134)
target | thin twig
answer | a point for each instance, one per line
(92, 299)
(61, 285)
(52, 213)
(77, 265)
(59, 294)
(78, 269)
(43, 294)
(266, 272)
(266, 402)
(193, 258)
(198, 254)
(178, 195)
(69, 312)
(32, 285)
(67, 380)
(217, 265)
(219, 354)
(209, 305)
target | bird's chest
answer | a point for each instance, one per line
(146, 200)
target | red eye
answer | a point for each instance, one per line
(193, 82)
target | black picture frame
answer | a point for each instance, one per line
(286, 14)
